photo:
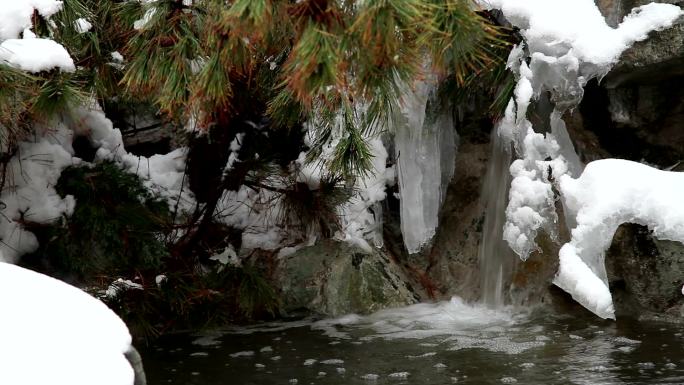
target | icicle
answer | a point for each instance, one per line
(425, 149)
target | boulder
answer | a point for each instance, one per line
(333, 278)
(646, 274)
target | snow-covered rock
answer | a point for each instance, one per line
(611, 192)
(53, 333)
(566, 44)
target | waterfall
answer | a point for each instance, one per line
(496, 258)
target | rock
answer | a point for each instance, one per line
(451, 265)
(333, 278)
(659, 57)
(645, 273)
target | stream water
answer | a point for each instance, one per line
(443, 343)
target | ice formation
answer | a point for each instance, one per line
(566, 44)
(54, 333)
(35, 55)
(425, 148)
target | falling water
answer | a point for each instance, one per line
(496, 258)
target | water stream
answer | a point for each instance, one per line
(444, 343)
(496, 258)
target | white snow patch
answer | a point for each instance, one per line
(29, 193)
(35, 55)
(82, 25)
(120, 285)
(54, 333)
(333, 361)
(15, 15)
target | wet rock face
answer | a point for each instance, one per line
(332, 278)
(646, 274)
(451, 265)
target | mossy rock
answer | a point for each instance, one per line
(333, 278)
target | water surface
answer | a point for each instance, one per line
(444, 343)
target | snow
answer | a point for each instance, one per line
(566, 44)
(161, 278)
(54, 333)
(117, 57)
(121, 285)
(30, 54)
(147, 17)
(425, 148)
(256, 211)
(578, 24)
(15, 15)
(83, 25)
(163, 174)
(611, 192)
(35, 55)
(29, 194)
(227, 257)
(333, 361)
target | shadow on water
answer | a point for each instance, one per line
(448, 342)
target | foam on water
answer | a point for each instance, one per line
(426, 320)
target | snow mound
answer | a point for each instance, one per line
(53, 333)
(611, 192)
